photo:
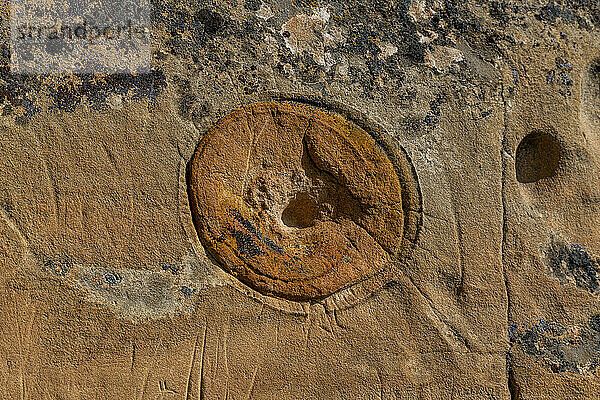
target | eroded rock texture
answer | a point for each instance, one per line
(490, 116)
(298, 202)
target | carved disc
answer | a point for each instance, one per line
(298, 202)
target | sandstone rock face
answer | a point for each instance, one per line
(334, 200)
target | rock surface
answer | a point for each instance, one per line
(298, 202)
(106, 291)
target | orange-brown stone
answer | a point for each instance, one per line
(295, 201)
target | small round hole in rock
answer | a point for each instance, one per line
(537, 158)
(301, 212)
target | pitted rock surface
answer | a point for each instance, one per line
(296, 201)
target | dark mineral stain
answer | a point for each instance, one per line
(186, 103)
(245, 244)
(189, 29)
(387, 21)
(529, 341)
(272, 245)
(252, 5)
(567, 11)
(247, 239)
(187, 292)
(60, 265)
(111, 278)
(174, 269)
(512, 333)
(562, 349)
(244, 222)
(498, 11)
(433, 116)
(573, 262)
(594, 322)
(552, 11)
(209, 21)
(18, 93)
(562, 76)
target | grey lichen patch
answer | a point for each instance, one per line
(562, 349)
(23, 96)
(573, 264)
(583, 14)
(374, 47)
(136, 294)
(378, 51)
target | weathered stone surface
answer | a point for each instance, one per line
(298, 202)
(107, 292)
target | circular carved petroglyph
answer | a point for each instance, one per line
(298, 202)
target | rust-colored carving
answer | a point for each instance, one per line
(298, 202)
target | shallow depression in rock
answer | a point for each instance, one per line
(538, 157)
(301, 212)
